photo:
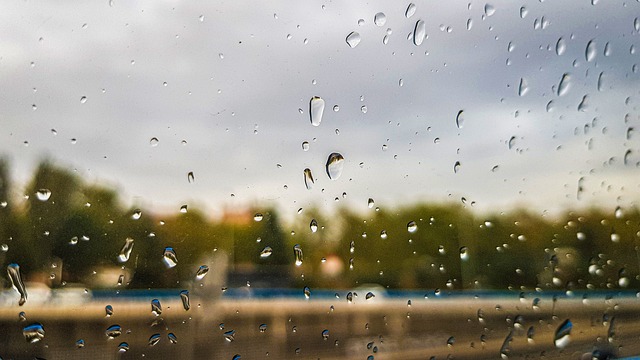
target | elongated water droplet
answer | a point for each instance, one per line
(184, 296)
(308, 179)
(307, 292)
(380, 19)
(411, 10)
(591, 51)
(601, 81)
(33, 333)
(460, 119)
(626, 157)
(456, 167)
(108, 311)
(156, 307)
(229, 335)
(489, 10)
(113, 331)
(419, 33)
(561, 46)
(297, 252)
(313, 226)
(464, 253)
(412, 226)
(564, 85)
(523, 88)
(562, 335)
(125, 252)
(13, 270)
(43, 194)
(584, 104)
(169, 257)
(353, 39)
(505, 349)
(123, 347)
(203, 270)
(154, 339)
(334, 165)
(266, 252)
(636, 24)
(316, 109)
(190, 177)
(523, 12)
(172, 338)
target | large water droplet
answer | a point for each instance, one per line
(258, 217)
(113, 331)
(564, 85)
(489, 10)
(523, 12)
(411, 10)
(184, 296)
(562, 335)
(412, 226)
(335, 162)
(523, 88)
(266, 252)
(123, 347)
(380, 19)
(313, 226)
(125, 252)
(561, 46)
(203, 270)
(154, 339)
(229, 335)
(172, 338)
(33, 333)
(156, 307)
(169, 257)
(353, 39)
(464, 253)
(419, 33)
(591, 51)
(460, 119)
(316, 109)
(297, 252)
(308, 179)
(43, 194)
(13, 270)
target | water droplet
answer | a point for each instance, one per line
(380, 19)
(33, 333)
(561, 46)
(236, 357)
(258, 217)
(590, 52)
(83, 100)
(584, 104)
(308, 179)
(460, 119)
(383, 234)
(125, 252)
(123, 347)
(411, 10)
(450, 341)
(305, 146)
(370, 203)
(505, 349)
(489, 10)
(108, 311)
(190, 177)
(564, 85)
(169, 257)
(43, 194)
(307, 292)
(262, 328)
(22, 316)
(297, 252)
(607, 49)
(154, 339)
(464, 253)
(512, 142)
(353, 39)
(229, 335)
(313, 226)
(13, 270)
(136, 214)
(80, 344)
(363, 108)
(456, 167)
(113, 331)
(369, 295)
(334, 165)
(419, 33)
(203, 270)
(184, 296)
(184, 209)
(523, 12)
(349, 297)
(636, 24)
(412, 226)
(523, 88)
(316, 109)
(618, 212)
(562, 335)
(266, 252)
(156, 307)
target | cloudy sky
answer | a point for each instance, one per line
(225, 89)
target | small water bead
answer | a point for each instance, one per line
(190, 177)
(136, 214)
(79, 344)
(83, 99)
(305, 146)
(258, 217)
(313, 226)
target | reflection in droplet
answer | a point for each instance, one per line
(353, 39)
(266, 252)
(125, 252)
(13, 270)
(43, 194)
(419, 33)
(169, 257)
(203, 270)
(316, 109)
(184, 296)
(460, 119)
(562, 334)
(297, 252)
(591, 51)
(565, 83)
(561, 46)
(334, 165)
(308, 179)
(411, 10)
(380, 19)
(412, 226)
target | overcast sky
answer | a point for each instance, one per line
(225, 88)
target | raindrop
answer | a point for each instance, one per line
(43, 194)
(172, 338)
(125, 252)
(412, 226)
(564, 85)
(636, 24)
(169, 257)
(136, 214)
(456, 167)
(419, 33)
(469, 24)
(336, 108)
(460, 119)
(236, 357)
(607, 49)
(489, 9)
(316, 109)
(383, 234)
(183, 209)
(584, 104)
(308, 179)
(113, 331)
(505, 349)
(307, 292)
(108, 311)
(33, 333)
(349, 297)
(203, 270)
(266, 252)
(590, 52)
(562, 335)
(370, 203)
(450, 341)
(523, 12)
(523, 88)
(154, 339)
(530, 333)
(464, 253)
(22, 316)
(156, 307)
(618, 213)
(334, 165)
(369, 295)
(411, 10)
(229, 335)
(184, 296)
(325, 334)
(353, 39)
(83, 100)
(313, 226)
(13, 270)
(305, 146)
(123, 347)
(262, 328)
(601, 81)
(80, 344)
(190, 177)
(297, 252)
(561, 46)
(380, 19)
